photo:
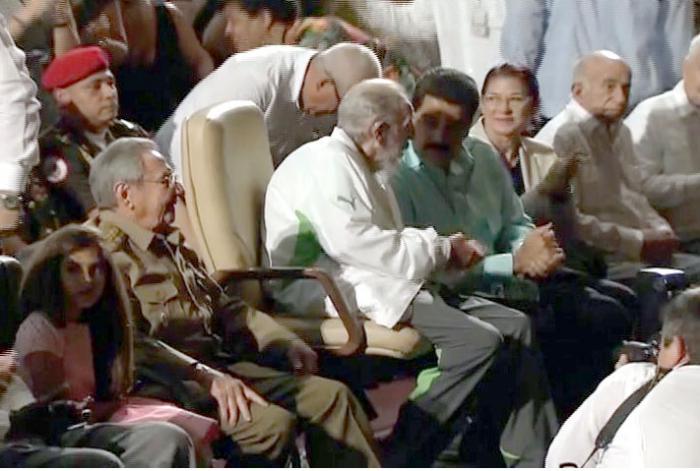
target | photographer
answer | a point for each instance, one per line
(654, 405)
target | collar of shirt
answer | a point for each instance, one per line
(140, 236)
(460, 165)
(479, 131)
(680, 99)
(589, 124)
(297, 80)
(98, 139)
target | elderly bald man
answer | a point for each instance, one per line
(298, 90)
(666, 140)
(612, 212)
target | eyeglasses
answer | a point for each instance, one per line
(167, 181)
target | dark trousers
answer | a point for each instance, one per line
(581, 322)
(466, 342)
(146, 445)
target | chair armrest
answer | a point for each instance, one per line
(356, 335)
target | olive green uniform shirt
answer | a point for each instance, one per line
(178, 304)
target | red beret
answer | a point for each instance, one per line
(73, 66)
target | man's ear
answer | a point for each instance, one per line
(379, 130)
(576, 89)
(62, 97)
(268, 20)
(121, 193)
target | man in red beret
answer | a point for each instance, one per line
(85, 91)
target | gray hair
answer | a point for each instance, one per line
(121, 161)
(694, 43)
(370, 101)
(682, 319)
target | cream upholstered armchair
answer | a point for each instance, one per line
(226, 168)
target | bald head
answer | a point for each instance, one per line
(333, 72)
(349, 64)
(601, 85)
(590, 64)
(691, 72)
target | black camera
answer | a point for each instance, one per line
(46, 421)
(640, 351)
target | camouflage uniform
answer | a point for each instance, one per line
(66, 155)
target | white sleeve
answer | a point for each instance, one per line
(19, 116)
(347, 233)
(576, 438)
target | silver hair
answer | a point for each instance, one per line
(369, 102)
(121, 161)
(694, 43)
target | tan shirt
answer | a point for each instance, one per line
(176, 302)
(666, 141)
(612, 211)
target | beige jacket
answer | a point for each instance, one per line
(536, 157)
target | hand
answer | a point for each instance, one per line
(302, 358)
(622, 361)
(234, 399)
(464, 252)
(658, 246)
(8, 366)
(35, 9)
(556, 182)
(539, 255)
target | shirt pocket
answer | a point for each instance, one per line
(159, 303)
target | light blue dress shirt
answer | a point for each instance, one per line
(548, 36)
(475, 197)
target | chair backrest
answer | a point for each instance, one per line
(227, 165)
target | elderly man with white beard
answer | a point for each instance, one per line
(330, 205)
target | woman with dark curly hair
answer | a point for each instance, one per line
(76, 339)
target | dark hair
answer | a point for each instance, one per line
(681, 318)
(285, 11)
(522, 73)
(450, 85)
(109, 319)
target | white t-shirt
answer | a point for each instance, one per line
(272, 78)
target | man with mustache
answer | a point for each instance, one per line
(330, 205)
(86, 93)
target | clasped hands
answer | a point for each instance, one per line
(539, 255)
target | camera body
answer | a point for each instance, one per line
(46, 421)
(640, 351)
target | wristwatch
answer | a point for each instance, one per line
(10, 202)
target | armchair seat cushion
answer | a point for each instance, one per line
(403, 342)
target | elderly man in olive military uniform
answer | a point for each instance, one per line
(189, 330)
(85, 91)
